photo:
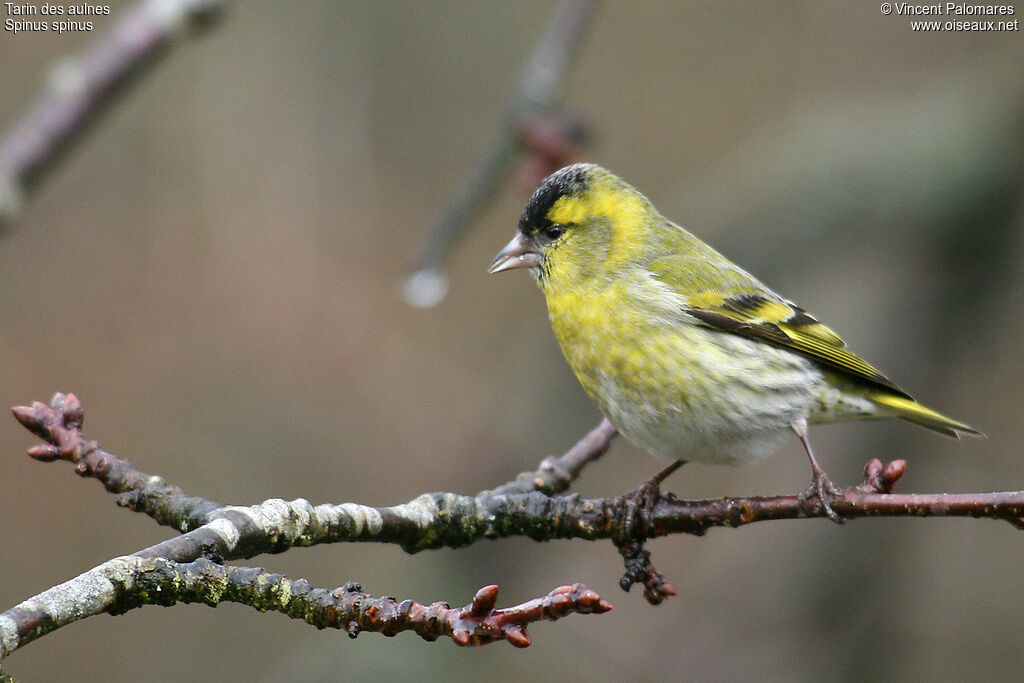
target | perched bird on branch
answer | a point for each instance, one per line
(689, 356)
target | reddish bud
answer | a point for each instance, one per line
(517, 636)
(25, 415)
(484, 601)
(461, 636)
(44, 452)
(73, 413)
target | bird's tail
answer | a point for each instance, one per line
(910, 410)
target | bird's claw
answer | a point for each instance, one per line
(639, 504)
(823, 492)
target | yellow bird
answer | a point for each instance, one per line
(688, 355)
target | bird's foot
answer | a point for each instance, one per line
(639, 503)
(636, 521)
(822, 491)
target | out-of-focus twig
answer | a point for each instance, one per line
(78, 88)
(532, 126)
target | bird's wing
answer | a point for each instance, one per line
(758, 313)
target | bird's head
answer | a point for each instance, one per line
(581, 221)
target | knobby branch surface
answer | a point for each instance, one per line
(533, 127)
(126, 583)
(556, 474)
(189, 567)
(79, 88)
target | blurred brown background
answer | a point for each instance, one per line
(215, 269)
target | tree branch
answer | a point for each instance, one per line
(556, 474)
(218, 533)
(415, 525)
(126, 583)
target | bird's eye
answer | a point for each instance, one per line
(554, 231)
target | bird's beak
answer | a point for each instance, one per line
(517, 254)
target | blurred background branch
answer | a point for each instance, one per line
(533, 127)
(79, 87)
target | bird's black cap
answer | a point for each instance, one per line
(571, 180)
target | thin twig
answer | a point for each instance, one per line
(556, 474)
(59, 424)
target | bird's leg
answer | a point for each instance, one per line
(655, 481)
(821, 486)
(642, 501)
